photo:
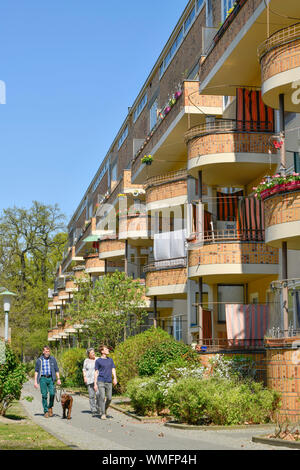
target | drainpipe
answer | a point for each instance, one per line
(155, 311)
(200, 281)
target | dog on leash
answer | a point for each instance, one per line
(66, 403)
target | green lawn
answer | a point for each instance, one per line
(22, 434)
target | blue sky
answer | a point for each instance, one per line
(71, 69)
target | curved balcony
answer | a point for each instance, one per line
(111, 248)
(70, 286)
(134, 227)
(63, 295)
(280, 67)
(233, 257)
(166, 190)
(282, 219)
(167, 279)
(93, 265)
(230, 152)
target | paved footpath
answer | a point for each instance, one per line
(122, 432)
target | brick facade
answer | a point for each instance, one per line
(166, 191)
(234, 253)
(111, 245)
(282, 208)
(93, 261)
(280, 59)
(167, 277)
(233, 142)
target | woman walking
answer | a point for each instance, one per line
(88, 377)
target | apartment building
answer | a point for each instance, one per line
(173, 202)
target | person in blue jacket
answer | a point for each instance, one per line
(105, 377)
(46, 374)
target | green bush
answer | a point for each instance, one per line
(70, 364)
(221, 402)
(233, 367)
(128, 353)
(146, 397)
(164, 352)
(12, 377)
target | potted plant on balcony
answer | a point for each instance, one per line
(148, 159)
(277, 184)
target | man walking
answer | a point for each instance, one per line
(105, 376)
(46, 373)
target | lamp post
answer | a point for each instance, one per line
(7, 296)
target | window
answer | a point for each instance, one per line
(114, 173)
(153, 114)
(100, 176)
(226, 5)
(231, 294)
(177, 325)
(171, 52)
(123, 137)
(189, 20)
(140, 107)
(209, 14)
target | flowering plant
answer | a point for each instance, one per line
(147, 159)
(276, 183)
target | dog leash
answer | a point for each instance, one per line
(58, 393)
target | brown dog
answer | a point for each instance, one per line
(66, 403)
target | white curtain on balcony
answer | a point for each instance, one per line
(169, 245)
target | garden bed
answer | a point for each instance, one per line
(124, 406)
(276, 442)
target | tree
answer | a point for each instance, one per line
(111, 309)
(31, 244)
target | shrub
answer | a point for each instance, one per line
(159, 354)
(168, 374)
(234, 367)
(146, 398)
(128, 353)
(221, 402)
(70, 364)
(12, 377)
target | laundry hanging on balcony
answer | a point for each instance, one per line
(247, 324)
(251, 112)
(169, 245)
(250, 223)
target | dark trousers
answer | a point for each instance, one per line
(47, 386)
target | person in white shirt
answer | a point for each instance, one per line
(88, 377)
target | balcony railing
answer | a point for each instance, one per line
(166, 178)
(214, 345)
(166, 264)
(228, 125)
(228, 235)
(281, 37)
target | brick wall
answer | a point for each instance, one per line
(132, 224)
(229, 143)
(280, 59)
(166, 191)
(168, 277)
(234, 253)
(93, 261)
(282, 209)
(111, 245)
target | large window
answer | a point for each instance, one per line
(228, 294)
(140, 107)
(189, 20)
